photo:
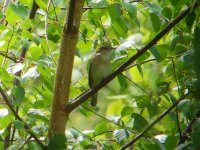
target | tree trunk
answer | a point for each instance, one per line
(58, 118)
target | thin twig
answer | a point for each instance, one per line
(70, 106)
(54, 10)
(4, 10)
(124, 127)
(25, 142)
(143, 90)
(46, 31)
(13, 57)
(187, 132)
(152, 124)
(26, 127)
(23, 55)
(4, 60)
(179, 92)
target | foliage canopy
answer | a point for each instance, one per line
(156, 96)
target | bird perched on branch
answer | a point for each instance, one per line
(100, 67)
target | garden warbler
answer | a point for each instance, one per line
(100, 67)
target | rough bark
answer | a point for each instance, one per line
(69, 40)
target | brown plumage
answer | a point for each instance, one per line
(100, 67)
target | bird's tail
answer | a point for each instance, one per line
(94, 100)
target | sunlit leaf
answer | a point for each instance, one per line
(166, 12)
(156, 24)
(121, 135)
(101, 128)
(127, 110)
(122, 81)
(18, 92)
(58, 141)
(139, 122)
(18, 124)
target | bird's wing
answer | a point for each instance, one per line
(89, 76)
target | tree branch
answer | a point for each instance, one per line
(152, 124)
(20, 119)
(23, 54)
(70, 106)
(69, 40)
(13, 58)
(4, 10)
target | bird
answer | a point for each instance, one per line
(100, 68)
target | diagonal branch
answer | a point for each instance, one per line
(28, 129)
(152, 124)
(13, 57)
(84, 96)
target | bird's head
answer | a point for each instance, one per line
(105, 47)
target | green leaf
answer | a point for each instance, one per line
(139, 122)
(197, 50)
(35, 52)
(101, 128)
(122, 81)
(12, 147)
(78, 53)
(160, 52)
(39, 104)
(127, 110)
(190, 20)
(37, 114)
(155, 53)
(27, 35)
(172, 97)
(27, 3)
(42, 4)
(18, 92)
(155, 22)
(132, 10)
(34, 146)
(86, 144)
(174, 2)
(5, 76)
(170, 142)
(11, 16)
(152, 145)
(107, 147)
(167, 13)
(196, 134)
(152, 108)
(140, 69)
(114, 11)
(197, 61)
(121, 135)
(142, 101)
(153, 7)
(18, 124)
(58, 142)
(143, 57)
(48, 83)
(162, 87)
(120, 27)
(20, 10)
(100, 4)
